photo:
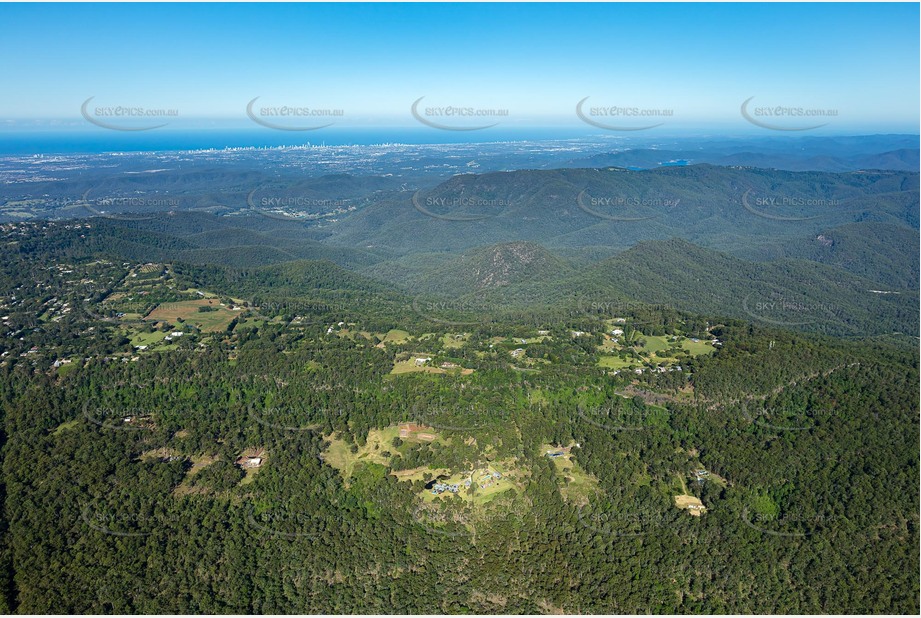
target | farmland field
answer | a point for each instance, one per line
(655, 343)
(188, 311)
(696, 348)
(616, 362)
(143, 338)
(396, 336)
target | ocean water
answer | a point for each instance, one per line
(76, 141)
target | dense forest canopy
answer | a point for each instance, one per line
(301, 438)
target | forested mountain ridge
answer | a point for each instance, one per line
(902, 159)
(433, 240)
(733, 209)
(495, 266)
(796, 293)
(876, 251)
(852, 295)
(722, 207)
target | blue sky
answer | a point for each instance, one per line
(536, 61)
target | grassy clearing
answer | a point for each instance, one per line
(685, 500)
(409, 366)
(692, 504)
(354, 335)
(131, 316)
(200, 462)
(455, 340)
(616, 362)
(63, 370)
(187, 310)
(654, 349)
(578, 485)
(655, 343)
(360, 336)
(142, 338)
(418, 474)
(608, 344)
(339, 455)
(527, 340)
(395, 336)
(65, 426)
(696, 348)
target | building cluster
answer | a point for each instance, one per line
(485, 479)
(440, 488)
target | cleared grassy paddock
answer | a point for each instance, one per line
(188, 311)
